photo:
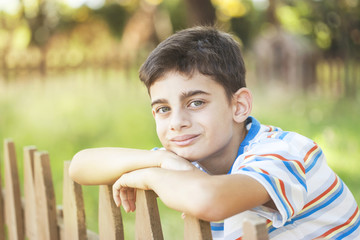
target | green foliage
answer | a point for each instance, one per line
(115, 16)
(177, 12)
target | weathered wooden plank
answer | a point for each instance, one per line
(73, 208)
(29, 194)
(196, 229)
(13, 208)
(254, 228)
(45, 198)
(2, 213)
(147, 218)
(110, 221)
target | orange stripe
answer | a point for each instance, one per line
(249, 156)
(324, 193)
(282, 186)
(284, 159)
(263, 171)
(270, 128)
(284, 194)
(310, 151)
(340, 226)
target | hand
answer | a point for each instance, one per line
(126, 197)
(124, 189)
(170, 160)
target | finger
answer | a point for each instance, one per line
(116, 193)
(124, 199)
(131, 193)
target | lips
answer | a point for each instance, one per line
(184, 140)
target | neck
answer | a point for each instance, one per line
(221, 162)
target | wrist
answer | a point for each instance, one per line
(150, 177)
(158, 157)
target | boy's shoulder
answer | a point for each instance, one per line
(270, 139)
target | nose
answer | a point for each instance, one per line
(179, 119)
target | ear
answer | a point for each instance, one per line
(242, 105)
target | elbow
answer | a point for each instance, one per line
(76, 169)
(208, 213)
(73, 171)
(207, 206)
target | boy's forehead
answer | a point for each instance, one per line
(177, 84)
(195, 78)
(175, 80)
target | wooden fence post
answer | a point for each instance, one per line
(42, 221)
(196, 229)
(254, 228)
(45, 198)
(110, 221)
(2, 214)
(73, 205)
(13, 208)
(29, 194)
(147, 218)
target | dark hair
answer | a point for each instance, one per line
(203, 49)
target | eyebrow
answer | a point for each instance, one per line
(188, 94)
(158, 101)
(183, 96)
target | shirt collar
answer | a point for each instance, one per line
(253, 127)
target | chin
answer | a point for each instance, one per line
(190, 156)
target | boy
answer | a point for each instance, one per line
(201, 106)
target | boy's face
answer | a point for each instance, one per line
(193, 116)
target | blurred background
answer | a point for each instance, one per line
(69, 75)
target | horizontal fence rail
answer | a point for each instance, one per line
(37, 217)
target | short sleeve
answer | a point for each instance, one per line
(280, 169)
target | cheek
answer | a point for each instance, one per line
(220, 126)
(160, 129)
(217, 119)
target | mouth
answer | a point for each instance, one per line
(184, 140)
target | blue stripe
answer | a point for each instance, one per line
(217, 228)
(348, 231)
(325, 203)
(283, 135)
(314, 161)
(290, 166)
(253, 131)
(273, 185)
(271, 229)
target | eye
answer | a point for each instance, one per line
(196, 103)
(162, 110)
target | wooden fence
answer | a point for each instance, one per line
(36, 215)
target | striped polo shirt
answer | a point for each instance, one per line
(311, 200)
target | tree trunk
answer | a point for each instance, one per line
(200, 12)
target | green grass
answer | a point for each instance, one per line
(73, 111)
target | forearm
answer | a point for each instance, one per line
(181, 190)
(210, 198)
(103, 166)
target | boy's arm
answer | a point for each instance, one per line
(207, 197)
(103, 166)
